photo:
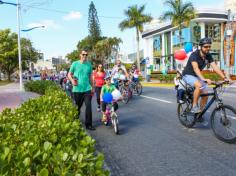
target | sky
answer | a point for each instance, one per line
(66, 21)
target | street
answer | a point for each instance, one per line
(153, 142)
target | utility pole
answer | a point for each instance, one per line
(228, 44)
(19, 45)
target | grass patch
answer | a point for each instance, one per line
(5, 82)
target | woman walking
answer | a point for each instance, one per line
(99, 75)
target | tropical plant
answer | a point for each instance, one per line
(179, 13)
(104, 48)
(135, 18)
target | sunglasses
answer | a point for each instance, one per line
(206, 46)
(99, 66)
(84, 54)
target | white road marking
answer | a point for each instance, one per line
(164, 101)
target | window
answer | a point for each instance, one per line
(157, 46)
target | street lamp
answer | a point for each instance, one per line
(26, 30)
(19, 45)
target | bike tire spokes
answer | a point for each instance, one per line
(223, 122)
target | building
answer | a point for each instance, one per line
(42, 65)
(58, 60)
(162, 40)
(230, 4)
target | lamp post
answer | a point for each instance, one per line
(26, 30)
(19, 44)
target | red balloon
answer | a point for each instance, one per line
(180, 55)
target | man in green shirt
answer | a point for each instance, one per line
(80, 74)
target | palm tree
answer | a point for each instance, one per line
(180, 14)
(135, 19)
(111, 44)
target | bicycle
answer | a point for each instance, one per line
(125, 91)
(111, 117)
(136, 86)
(225, 120)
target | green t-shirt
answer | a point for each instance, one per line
(82, 71)
(106, 89)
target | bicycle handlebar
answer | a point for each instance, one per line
(219, 84)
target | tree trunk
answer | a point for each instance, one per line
(138, 57)
(8, 76)
(180, 36)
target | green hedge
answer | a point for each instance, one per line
(40, 86)
(170, 77)
(43, 138)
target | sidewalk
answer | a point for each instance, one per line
(12, 97)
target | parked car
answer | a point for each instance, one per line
(36, 77)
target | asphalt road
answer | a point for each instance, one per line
(153, 142)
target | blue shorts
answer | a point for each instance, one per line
(190, 79)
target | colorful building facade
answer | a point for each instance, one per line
(162, 41)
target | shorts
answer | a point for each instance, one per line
(190, 79)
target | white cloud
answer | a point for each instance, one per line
(49, 24)
(72, 16)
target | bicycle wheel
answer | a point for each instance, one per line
(116, 125)
(139, 88)
(223, 123)
(185, 116)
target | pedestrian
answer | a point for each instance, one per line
(98, 76)
(80, 75)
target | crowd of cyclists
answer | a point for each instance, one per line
(81, 83)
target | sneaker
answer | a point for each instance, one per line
(195, 110)
(181, 102)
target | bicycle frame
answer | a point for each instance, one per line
(214, 98)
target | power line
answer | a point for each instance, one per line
(65, 12)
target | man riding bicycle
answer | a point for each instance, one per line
(117, 71)
(116, 68)
(192, 73)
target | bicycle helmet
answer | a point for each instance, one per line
(204, 41)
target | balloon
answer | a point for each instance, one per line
(188, 47)
(107, 97)
(116, 94)
(180, 55)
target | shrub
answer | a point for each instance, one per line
(212, 76)
(40, 86)
(42, 137)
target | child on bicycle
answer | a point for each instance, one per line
(119, 76)
(179, 87)
(107, 88)
(134, 73)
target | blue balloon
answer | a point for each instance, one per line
(107, 97)
(188, 47)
